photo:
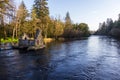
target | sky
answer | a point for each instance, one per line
(91, 12)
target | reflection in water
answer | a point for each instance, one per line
(95, 58)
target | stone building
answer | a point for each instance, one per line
(25, 41)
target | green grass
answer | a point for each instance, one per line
(9, 40)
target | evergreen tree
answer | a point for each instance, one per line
(109, 25)
(40, 12)
(41, 9)
(68, 22)
(68, 26)
(110, 28)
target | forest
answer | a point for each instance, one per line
(110, 28)
(16, 21)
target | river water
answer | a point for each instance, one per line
(94, 58)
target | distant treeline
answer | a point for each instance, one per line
(14, 22)
(110, 28)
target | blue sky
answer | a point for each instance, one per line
(91, 12)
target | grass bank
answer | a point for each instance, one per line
(48, 40)
(8, 40)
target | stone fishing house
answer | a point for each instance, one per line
(25, 41)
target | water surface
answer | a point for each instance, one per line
(95, 58)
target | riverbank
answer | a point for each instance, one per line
(46, 40)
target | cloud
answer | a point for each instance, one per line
(94, 12)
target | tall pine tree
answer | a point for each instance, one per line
(68, 21)
(40, 13)
(68, 26)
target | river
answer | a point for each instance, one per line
(94, 58)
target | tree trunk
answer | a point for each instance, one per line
(2, 22)
(13, 36)
(46, 30)
(5, 35)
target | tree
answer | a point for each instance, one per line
(58, 28)
(109, 25)
(41, 14)
(41, 8)
(21, 16)
(83, 27)
(68, 26)
(110, 28)
(6, 7)
(68, 22)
